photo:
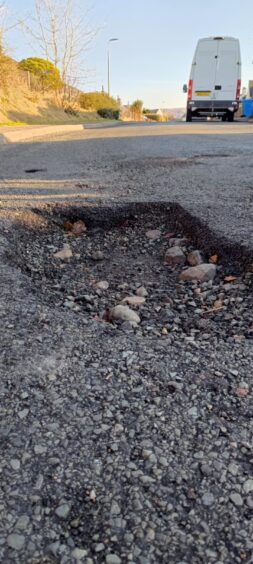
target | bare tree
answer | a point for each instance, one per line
(5, 25)
(63, 34)
(2, 26)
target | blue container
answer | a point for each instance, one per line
(247, 108)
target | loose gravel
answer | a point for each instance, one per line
(122, 441)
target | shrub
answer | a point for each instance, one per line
(47, 74)
(69, 110)
(136, 109)
(108, 113)
(97, 101)
(8, 72)
(155, 117)
(160, 118)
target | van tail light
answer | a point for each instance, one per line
(238, 89)
(190, 89)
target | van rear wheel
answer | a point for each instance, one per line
(230, 116)
(188, 115)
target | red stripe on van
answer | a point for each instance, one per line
(238, 89)
(190, 89)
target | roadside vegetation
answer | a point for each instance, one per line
(47, 75)
(47, 89)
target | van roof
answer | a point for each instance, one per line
(218, 37)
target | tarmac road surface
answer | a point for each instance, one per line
(119, 443)
(206, 167)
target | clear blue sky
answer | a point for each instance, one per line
(152, 59)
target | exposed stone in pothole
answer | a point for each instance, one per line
(113, 270)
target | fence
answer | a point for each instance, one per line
(35, 84)
(30, 80)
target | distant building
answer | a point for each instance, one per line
(156, 112)
(250, 88)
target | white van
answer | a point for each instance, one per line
(215, 79)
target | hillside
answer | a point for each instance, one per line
(21, 105)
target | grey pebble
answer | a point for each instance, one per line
(236, 499)
(79, 553)
(113, 559)
(208, 499)
(15, 464)
(248, 486)
(16, 541)
(63, 510)
(23, 413)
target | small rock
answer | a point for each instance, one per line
(208, 499)
(195, 258)
(123, 286)
(146, 453)
(40, 449)
(206, 469)
(174, 256)
(201, 273)
(150, 534)
(124, 313)
(78, 227)
(15, 464)
(249, 502)
(75, 523)
(79, 553)
(66, 252)
(236, 499)
(118, 428)
(15, 541)
(193, 412)
(102, 285)
(153, 234)
(115, 508)
(233, 469)
(248, 486)
(53, 461)
(22, 414)
(22, 522)
(53, 548)
(218, 304)
(142, 292)
(234, 372)
(63, 510)
(177, 241)
(113, 559)
(69, 304)
(99, 547)
(134, 300)
(93, 496)
(242, 392)
(97, 255)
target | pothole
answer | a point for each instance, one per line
(116, 260)
(34, 170)
(171, 162)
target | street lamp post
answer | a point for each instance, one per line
(109, 62)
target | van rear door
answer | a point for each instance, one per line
(228, 69)
(204, 69)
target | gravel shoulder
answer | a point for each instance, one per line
(122, 443)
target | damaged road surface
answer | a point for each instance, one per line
(206, 168)
(126, 389)
(126, 424)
